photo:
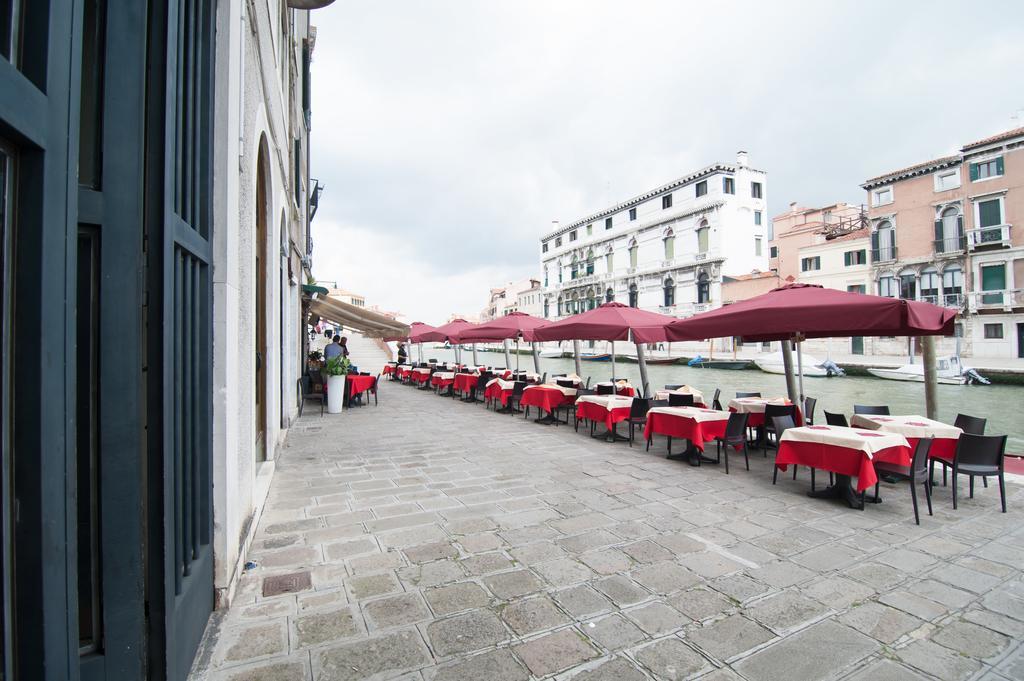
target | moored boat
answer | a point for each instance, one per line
(949, 371)
(772, 364)
(595, 357)
(550, 353)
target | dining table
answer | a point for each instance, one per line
(547, 398)
(698, 396)
(696, 425)
(622, 388)
(845, 451)
(755, 406)
(944, 436)
(442, 379)
(498, 389)
(606, 409)
(464, 382)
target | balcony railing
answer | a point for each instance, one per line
(953, 300)
(983, 237)
(884, 254)
(956, 244)
(1005, 299)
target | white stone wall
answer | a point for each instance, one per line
(731, 244)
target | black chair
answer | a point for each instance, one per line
(587, 385)
(677, 400)
(771, 412)
(637, 415)
(779, 426)
(564, 383)
(973, 425)
(979, 456)
(651, 405)
(739, 395)
(736, 436)
(871, 410)
(716, 403)
(515, 396)
(603, 389)
(575, 417)
(809, 404)
(836, 419)
(477, 388)
(306, 392)
(917, 474)
(673, 386)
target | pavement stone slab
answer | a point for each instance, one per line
(670, 658)
(494, 665)
(613, 632)
(880, 622)
(726, 638)
(785, 611)
(937, 661)
(657, 618)
(554, 652)
(532, 614)
(393, 611)
(372, 659)
(971, 639)
(582, 601)
(465, 633)
(445, 600)
(615, 669)
(328, 626)
(820, 651)
(508, 585)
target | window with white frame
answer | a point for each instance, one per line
(881, 196)
(983, 170)
(993, 331)
(887, 286)
(757, 217)
(757, 246)
(703, 231)
(993, 278)
(930, 285)
(947, 179)
(755, 190)
(952, 286)
(810, 264)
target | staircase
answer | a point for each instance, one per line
(369, 354)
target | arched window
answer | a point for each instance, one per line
(887, 286)
(632, 254)
(558, 307)
(930, 285)
(883, 242)
(575, 268)
(908, 285)
(591, 300)
(545, 276)
(703, 289)
(670, 292)
(609, 295)
(609, 260)
(634, 296)
(703, 231)
(952, 286)
(547, 308)
(559, 271)
(575, 307)
(590, 261)
(949, 231)
(670, 245)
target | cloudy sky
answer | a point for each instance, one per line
(450, 134)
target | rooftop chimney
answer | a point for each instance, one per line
(741, 159)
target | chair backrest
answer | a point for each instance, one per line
(771, 411)
(305, 385)
(565, 383)
(781, 424)
(432, 361)
(836, 419)
(659, 403)
(919, 466)
(646, 391)
(676, 400)
(639, 407)
(673, 386)
(588, 382)
(974, 425)
(544, 378)
(715, 403)
(482, 379)
(584, 391)
(981, 450)
(739, 395)
(518, 387)
(605, 389)
(809, 404)
(736, 427)
(867, 409)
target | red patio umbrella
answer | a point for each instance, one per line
(448, 332)
(610, 322)
(416, 332)
(514, 325)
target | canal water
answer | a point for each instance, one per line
(1002, 405)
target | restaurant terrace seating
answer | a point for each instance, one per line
(836, 419)
(974, 425)
(740, 395)
(735, 436)
(979, 456)
(917, 474)
(779, 426)
(637, 415)
(809, 404)
(677, 400)
(876, 410)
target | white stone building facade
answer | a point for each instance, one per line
(665, 250)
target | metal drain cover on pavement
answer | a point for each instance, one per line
(286, 584)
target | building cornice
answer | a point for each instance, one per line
(912, 171)
(654, 193)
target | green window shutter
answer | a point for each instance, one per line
(989, 213)
(874, 243)
(993, 278)
(999, 166)
(960, 226)
(938, 231)
(848, 258)
(974, 172)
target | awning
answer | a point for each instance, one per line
(371, 324)
(313, 288)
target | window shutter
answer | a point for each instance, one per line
(960, 226)
(847, 258)
(999, 166)
(938, 233)
(874, 244)
(974, 172)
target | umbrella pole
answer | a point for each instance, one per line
(517, 355)
(536, 357)
(613, 360)
(576, 353)
(475, 361)
(508, 357)
(642, 362)
(931, 378)
(787, 362)
(800, 367)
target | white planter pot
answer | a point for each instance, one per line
(335, 394)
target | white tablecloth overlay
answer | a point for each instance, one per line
(444, 374)
(609, 402)
(907, 426)
(569, 392)
(505, 385)
(695, 413)
(421, 370)
(698, 396)
(405, 366)
(755, 405)
(868, 441)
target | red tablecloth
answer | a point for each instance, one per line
(439, 382)
(358, 384)
(545, 399)
(756, 419)
(697, 432)
(841, 460)
(388, 369)
(495, 392)
(596, 412)
(464, 383)
(420, 377)
(403, 373)
(942, 448)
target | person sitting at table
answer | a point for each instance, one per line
(333, 349)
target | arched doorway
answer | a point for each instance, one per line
(261, 270)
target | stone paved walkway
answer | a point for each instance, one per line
(444, 542)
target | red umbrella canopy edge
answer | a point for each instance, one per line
(511, 326)
(417, 330)
(449, 331)
(608, 322)
(812, 311)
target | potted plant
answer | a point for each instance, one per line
(315, 359)
(336, 369)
